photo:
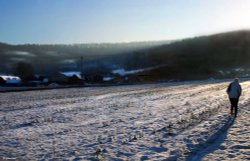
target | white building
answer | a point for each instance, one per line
(10, 80)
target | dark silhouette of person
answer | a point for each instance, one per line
(234, 93)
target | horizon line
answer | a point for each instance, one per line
(128, 42)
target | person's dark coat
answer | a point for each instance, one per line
(234, 89)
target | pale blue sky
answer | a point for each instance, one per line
(86, 21)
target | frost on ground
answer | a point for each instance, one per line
(174, 121)
(234, 144)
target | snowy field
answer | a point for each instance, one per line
(169, 121)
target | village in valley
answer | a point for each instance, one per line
(34, 65)
(71, 78)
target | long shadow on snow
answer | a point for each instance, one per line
(214, 143)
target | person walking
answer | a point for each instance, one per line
(234, 93)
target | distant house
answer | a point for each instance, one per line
(107, 79)
(43, 79)
(2, 81)
(94, 78)
(37, 81)
(58, 78)
(71, 74)
(10, 80)
(67, 78)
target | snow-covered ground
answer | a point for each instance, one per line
(168, 121)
